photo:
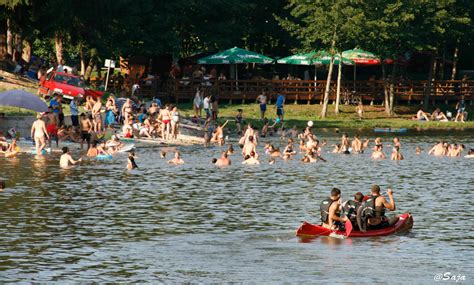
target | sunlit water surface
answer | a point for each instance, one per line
(161, 223)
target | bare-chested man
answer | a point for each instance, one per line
(86, 130)
(177, 159)
(39, 133)
(52, 127)
(356, 145)
(223, 160)
(438, 150)
(249, 147)
(97, 118)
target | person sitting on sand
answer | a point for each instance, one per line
(131, 161)
(378, 153)
(223, 160)
(177, 159)
(421, 116)
(437, 115)
(66, 159)
(251, 159)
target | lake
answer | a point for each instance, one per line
(198, 223)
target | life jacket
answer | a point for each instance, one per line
(324, 208)
(350, 209)
(367, 210)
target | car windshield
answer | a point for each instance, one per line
(74, 81)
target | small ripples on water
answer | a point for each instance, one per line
(195, 222)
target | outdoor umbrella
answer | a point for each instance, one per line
(361, 57)
(236, 56)
(301, 59)
(22, 99)
(314, 58)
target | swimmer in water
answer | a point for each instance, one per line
(162, 154)
(378, 153)
(131, 161)
(2, 186)
(438, 150)
(356, 145)
(418, 150)
(396, 155)
(470, 153)
(66, 159)
(230, 150)
(223, 160)
(177, 159)
(251, 159)
(271, 160)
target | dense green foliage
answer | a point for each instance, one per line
(147, 27)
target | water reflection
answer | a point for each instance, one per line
(99, 222)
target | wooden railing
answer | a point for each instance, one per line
(301, 91)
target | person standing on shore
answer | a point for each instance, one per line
(262, 99)
(197, 103)
(280, 101)
(74, 113)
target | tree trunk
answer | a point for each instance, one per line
(18, 48)
(429, 84)
(385, 90)
(455, 63)
(9, 39)
(326, 92)
(83, 60)
(338, 90)
(392, 89)
(58, 45)
(26, 53)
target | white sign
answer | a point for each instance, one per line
(110, 63)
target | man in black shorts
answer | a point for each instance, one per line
(86, 129)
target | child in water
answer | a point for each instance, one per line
(131, 161)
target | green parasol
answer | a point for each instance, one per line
(361, 57)
(235, 56)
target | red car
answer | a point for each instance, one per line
(68, 85)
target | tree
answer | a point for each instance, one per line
(332, 23)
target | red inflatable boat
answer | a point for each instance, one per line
(404, 223)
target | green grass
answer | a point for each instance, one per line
(299, 115)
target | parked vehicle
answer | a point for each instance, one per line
(66, 84)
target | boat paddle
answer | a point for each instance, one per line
(348, 228)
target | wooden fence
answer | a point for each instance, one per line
(301, 91)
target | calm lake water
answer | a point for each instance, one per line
(198, 223)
